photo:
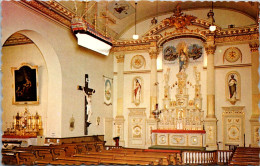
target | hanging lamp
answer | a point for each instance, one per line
(135, 36)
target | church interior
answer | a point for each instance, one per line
(130, 82)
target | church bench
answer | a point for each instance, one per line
(62, 162)
(156, 161)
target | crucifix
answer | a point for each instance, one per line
(88, 93)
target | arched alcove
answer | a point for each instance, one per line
(51, 86)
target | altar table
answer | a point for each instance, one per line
(178, 137)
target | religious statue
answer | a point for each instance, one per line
(88, 107)
(137, 91)
(232, 83)
(182, 60)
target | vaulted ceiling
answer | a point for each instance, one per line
(116, 17)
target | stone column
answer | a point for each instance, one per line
(153, 79)
(119, 120)
(211, 121)
(255, 94)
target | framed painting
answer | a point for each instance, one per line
(25, 84)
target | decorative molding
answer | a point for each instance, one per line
(231, 66)
(244, 38)
(46, 11)
(120, 58)
(210, 49)
(178, 20)
(137, 62)
(232, 54)
(254, 47)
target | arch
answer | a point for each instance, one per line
(51, 59)
(181, 35)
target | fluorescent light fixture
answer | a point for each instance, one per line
(212, 28)
(86, 40)
(135, 37)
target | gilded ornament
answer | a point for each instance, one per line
(254, 47)
(210, 49)
(138, 61)
(120, 58)
(232, 54)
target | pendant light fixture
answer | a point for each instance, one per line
(135, 36)
(212, 27)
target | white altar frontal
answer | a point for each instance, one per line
(180, 123)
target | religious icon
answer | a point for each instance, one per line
(137, 90)
(25, 84)
(195, 51)
(233, 87)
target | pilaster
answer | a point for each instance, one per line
(211, 121)
(153, 52)
(254, 120)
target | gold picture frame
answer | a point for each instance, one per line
(25, 84)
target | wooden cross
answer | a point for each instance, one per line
(88, 92)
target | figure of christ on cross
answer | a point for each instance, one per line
(88, 93)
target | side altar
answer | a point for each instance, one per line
(180, 122)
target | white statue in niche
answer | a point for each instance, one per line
(233, 87)
(232, 83)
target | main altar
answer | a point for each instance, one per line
(180, 122)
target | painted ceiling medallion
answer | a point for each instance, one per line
(120, 9)
(232, 54)
(138, 61)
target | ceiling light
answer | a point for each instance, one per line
(210, 15)
(212, 28)
(135, 36)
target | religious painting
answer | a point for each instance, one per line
(232, 55)
(108, 91)
(170, 54)
(137, 90)
(195, 51)
(233, 91)
(25, 84)
(137, 62)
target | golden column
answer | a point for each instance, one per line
(211, 121)
(153, 52)
(119, 120)
(255, 93)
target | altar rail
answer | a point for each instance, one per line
(206, 157)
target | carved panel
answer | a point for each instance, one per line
(136, 127)
(233, 126)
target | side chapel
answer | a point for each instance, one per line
(179, 84)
